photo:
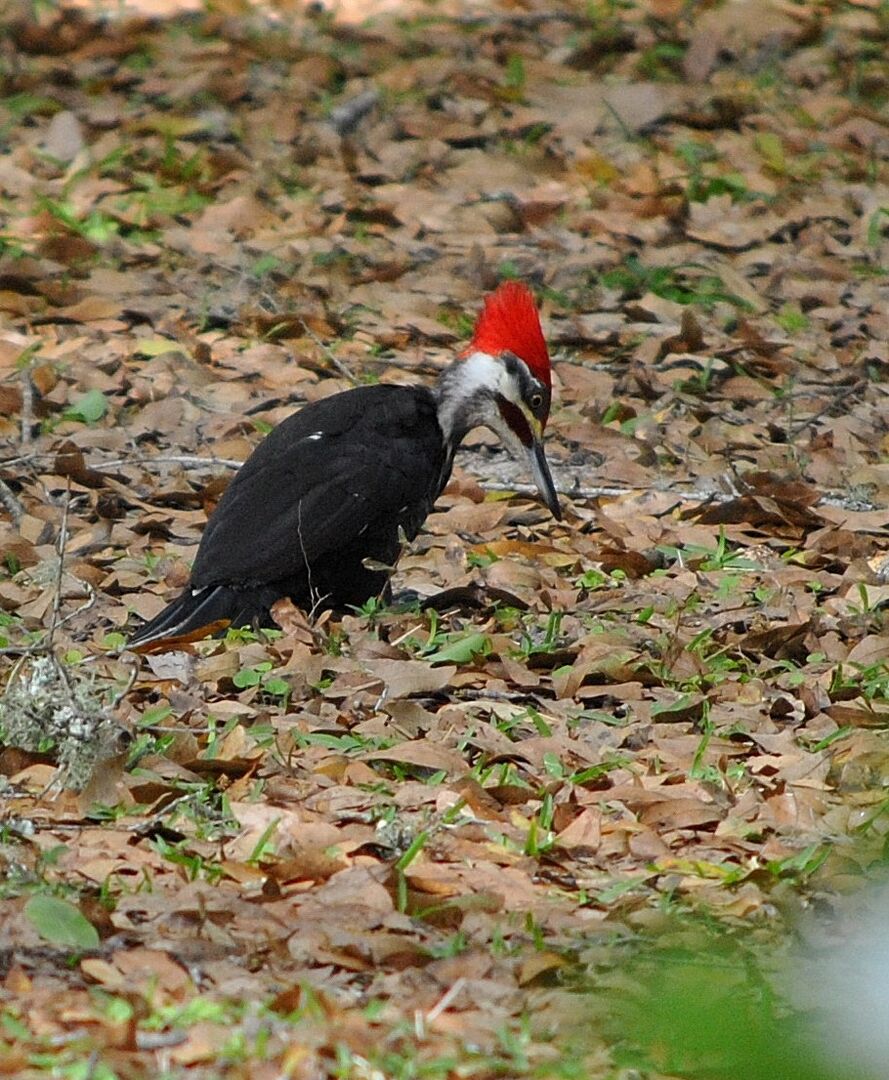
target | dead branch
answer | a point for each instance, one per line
(197, 462)
(346, 117)
(329, 353)
(599, 492)
(187, 461)
(445, 1000)
(529, 22)
(837, 398)
(131, 682)
(60, 569)
(91, 598)
(840, 501)
(11, 503)
(27, 417)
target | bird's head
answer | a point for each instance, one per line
(503, 381)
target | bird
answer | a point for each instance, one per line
(318, 513)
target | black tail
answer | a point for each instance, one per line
(200, 612)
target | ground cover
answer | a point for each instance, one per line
(644, 750)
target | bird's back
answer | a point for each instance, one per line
(329, 488)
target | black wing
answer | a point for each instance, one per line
(341, 475)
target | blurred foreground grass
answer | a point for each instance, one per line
(703, 1002)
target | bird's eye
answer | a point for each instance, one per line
(536, 401)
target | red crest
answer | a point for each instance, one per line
(509, 322)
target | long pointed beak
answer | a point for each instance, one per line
(543, 479)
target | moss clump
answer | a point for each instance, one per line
(48, 708)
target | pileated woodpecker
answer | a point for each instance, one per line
(322, 502)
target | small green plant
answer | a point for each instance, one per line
(702, 287)
(801, 168)
(870, 681)
(156, 200)
(97, 227)
(460, 322)
(264, 848)
(662, 62)
(801, 866)
(455, 945)
(258, 675)
(514, 78)
(877, 223)
(373, 609)
(720, 557)
(25, 105)
(454, 647)
(251, 676)
(244, 635)
(89, 408)
(401, 866)
(701, 185)
(347, 743)
(540, 836)
(11, 247)
(61, 923)
(196, 866)
(535, 643)
(480, 560)
(593, 579)
(791, 319)
(265, 264)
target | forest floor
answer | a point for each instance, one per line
(403, 843)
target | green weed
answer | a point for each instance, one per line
(689, 283)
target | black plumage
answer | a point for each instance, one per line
(319, 511)
(335, 484)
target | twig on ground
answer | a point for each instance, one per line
(11, 503)
(160, 1040)
(595, 492)
(27, 418)
(142, 828)
(131, 682)
(530, 21)
(445, 1000)
(509, 696)
(24, 459)
(628, 133)
(188, 461)
(346, 117)
(60, 570)
(91, 598)
(329, 353)
(840, 501)
(195, 461)
(837, 399)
